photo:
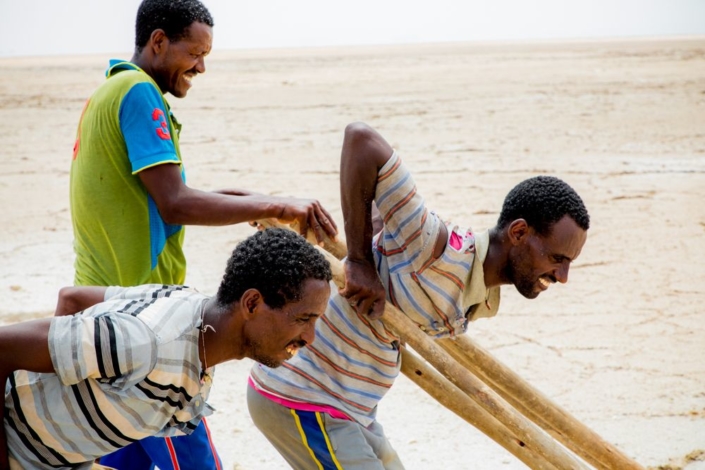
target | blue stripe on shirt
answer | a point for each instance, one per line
(381, 198)
(441, 293)
(408, 297)
(344, 317)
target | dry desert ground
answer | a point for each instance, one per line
(621, 346)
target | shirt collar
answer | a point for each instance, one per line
(117, 65)
(482, 302)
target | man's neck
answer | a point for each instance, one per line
(144, 63)
(220, 334)
(495, 260)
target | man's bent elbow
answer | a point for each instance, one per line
(67, 302)
(363, 142)
(177, 212)
(171, 217)
(185, 208)
(358, 130)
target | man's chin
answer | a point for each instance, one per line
(269, 362)
(179, 91)
(529, 293)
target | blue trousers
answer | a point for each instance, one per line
(192, 452)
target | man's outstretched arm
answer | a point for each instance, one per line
(22, 346)
(364, 152)
(154, 157)
(182, 205)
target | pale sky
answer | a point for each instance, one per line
(61, 27)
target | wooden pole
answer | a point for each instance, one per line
(536, 406)
(451, 397)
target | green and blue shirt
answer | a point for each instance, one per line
(119, 236)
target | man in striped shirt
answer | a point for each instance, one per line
(138, 361)
(319, 409)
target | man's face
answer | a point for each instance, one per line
(178, 62)
(539, 261)
(275, 335)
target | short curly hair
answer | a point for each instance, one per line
(276, 262)
(173, 16)
(542, 201)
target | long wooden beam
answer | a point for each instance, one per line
(563, 426)
(444, 392)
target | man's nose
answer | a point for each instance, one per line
(562, 272)
(201, 65)
(309, 334)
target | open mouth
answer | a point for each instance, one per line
(292, 350)
(545, 283)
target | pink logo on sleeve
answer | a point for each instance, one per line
(163, 130)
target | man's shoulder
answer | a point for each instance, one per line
(120, 83)
(149, 293)
(159, 296)
(163, 308)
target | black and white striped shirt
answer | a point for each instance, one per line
(126, 369)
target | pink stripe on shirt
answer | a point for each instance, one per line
(297, 405)
(456, 241)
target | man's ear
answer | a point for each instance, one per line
(158, 40)
(517, 231)
(250, 301)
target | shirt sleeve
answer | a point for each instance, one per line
(110, 347)
(145, 291)
(146, 127)
(113, 291)
(410, 229)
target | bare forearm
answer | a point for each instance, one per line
(22, 346)
(182, 205)
(364, 153)
(237, 192)
(25, 346)
(212, 208)
(76, 299)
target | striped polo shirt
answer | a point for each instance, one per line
(126, 369)
(354, 360)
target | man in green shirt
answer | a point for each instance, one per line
(129, 199)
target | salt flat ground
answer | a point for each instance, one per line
(622, 345)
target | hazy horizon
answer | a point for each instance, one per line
(79, 27)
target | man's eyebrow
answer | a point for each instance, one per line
(306, 314)
(562, 257)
